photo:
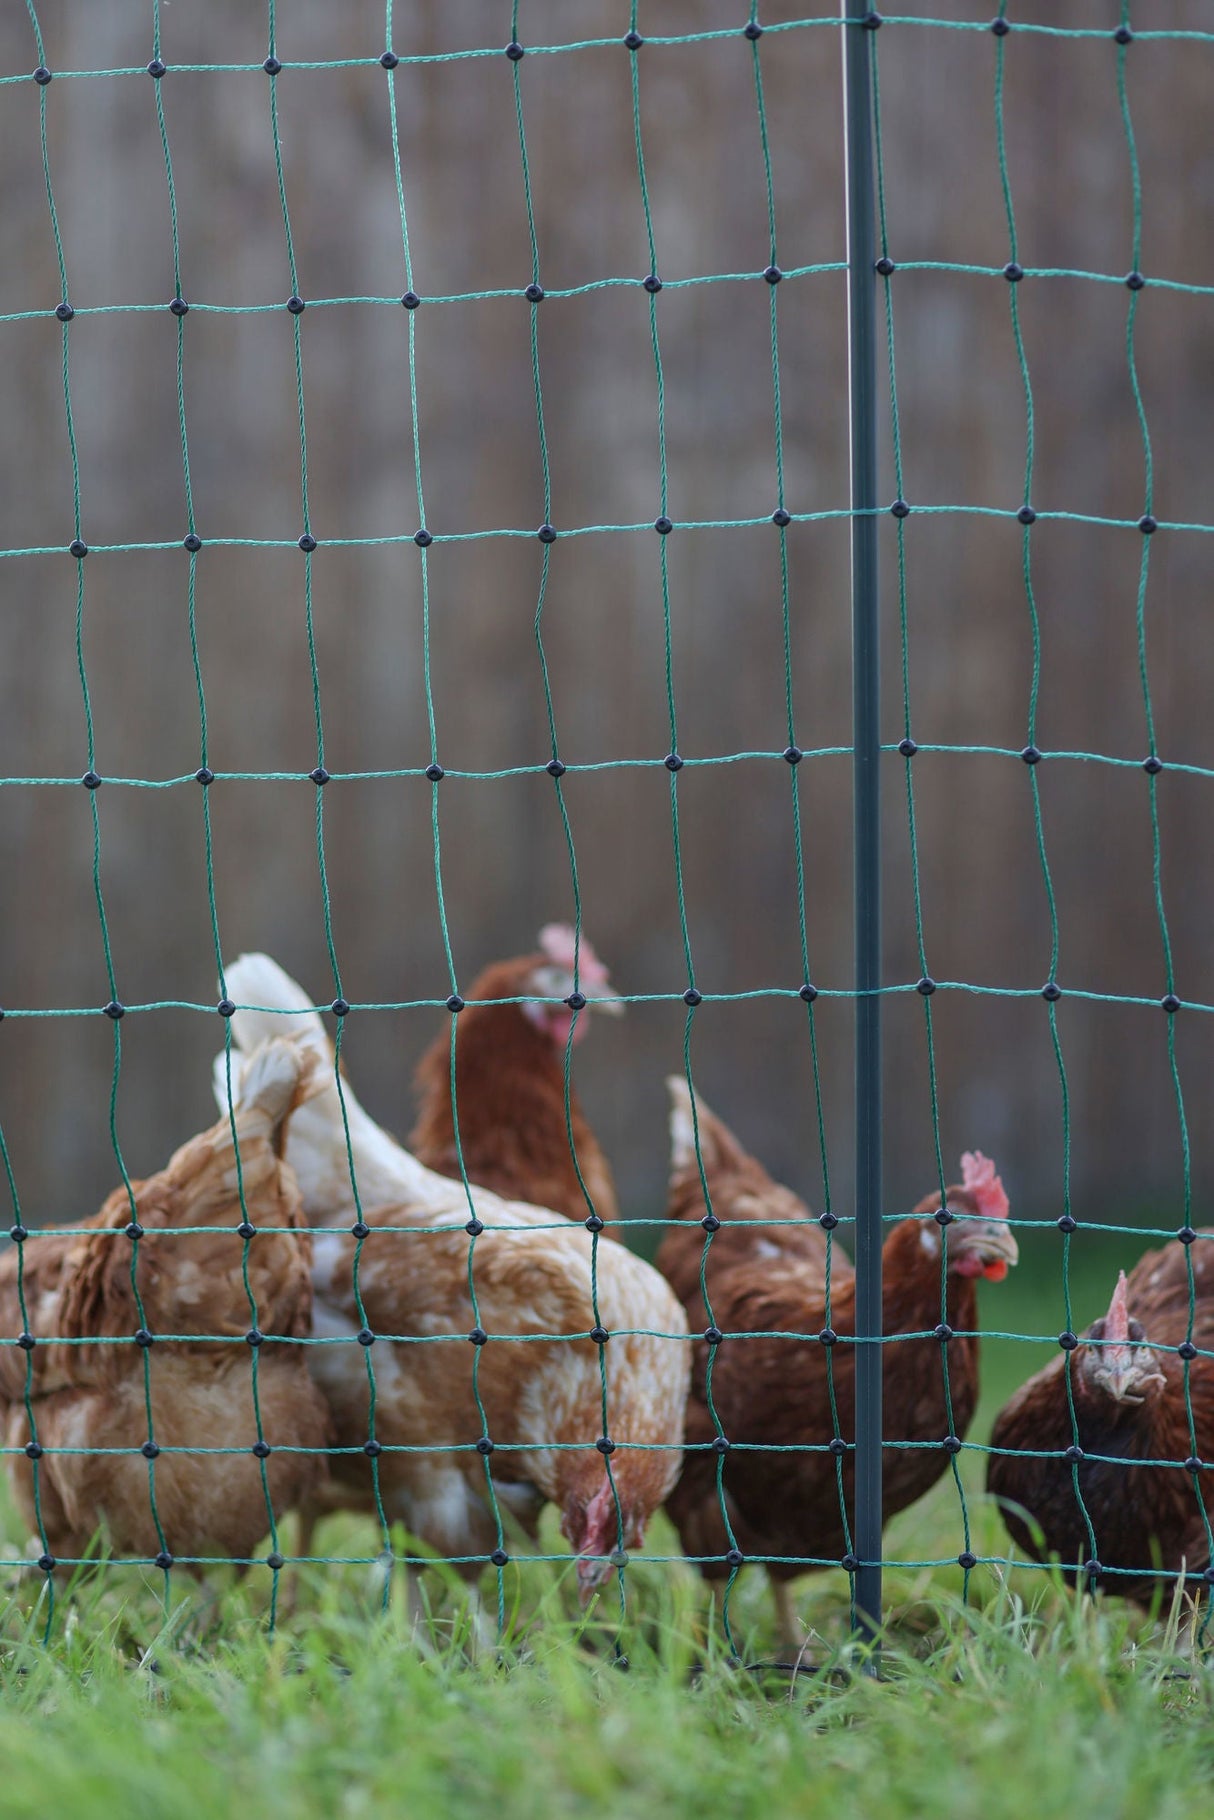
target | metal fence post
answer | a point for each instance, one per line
(861, 347)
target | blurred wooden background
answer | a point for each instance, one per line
(505, 868)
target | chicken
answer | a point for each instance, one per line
(158, 1496)
(767, 1282)
(613, 1368)
(1127, 1381)
(510, 1083)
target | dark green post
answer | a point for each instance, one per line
(861, 348)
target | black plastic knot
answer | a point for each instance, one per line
(576, 1001)
(261, 1450)
(435, 773)
(274, 1561)
(18, 1233)
(64, 311)
(164, 1560)
(143, 1337)
(1068, 1223)
(673, 762)
(1170, 1003)
(850, 1562)
(908, 747)
(319, 776)
(781, 517)
(1147, 525)
(1030, 755)
(1013, 272)
(1193, 1463)
(1067, 1341)
(366, 1337)
(149, 1450)
(204, 775)
(663, 526)
(1123, 35)
(246, 1229)
(340, 1007)
(793, 755)
(179, 306)
(713, 1335)
(1186, 1235)
(474, 1228)
(605, 1445)
(78, 549)
(633, 40)
(772, 274)
(410, 300)
(555, 768)
(1152, 765)
(720, 1444)
(808, 993)
(828, 1221)
(133, 1230)
(1026, 515)
(1134, 281)
(885, 266)
(484, 1446)
(114, 1009)
(943, 1331)
(1000, 27)
(828, 1336)
(271, 66)
(752, 30)
(943, 1216)
(359, 1230)
(26, 1342)
(478, 1336)
(1093, 1569)
(599, 1335)
(1186, 1350)
(1051, 992)
(837, 1446)
(42, 75)
(33, 1450)
(871, 22)
(710, 1222)
(692, 997)
(499, 1557)
(295, 304)
(1073, 1454)
(951, 1445)
(900, 509)
(455, 1003)
(389, 60)
(594, 1222)
(515, 51)
(967, 1560)
(156, 69)
(534, 293)
(735, 1558)
(926, 986)
(307, 543)
(254, 1337)
(546, 534)
(226, 1008)
(372, 1449)
(47, 1563)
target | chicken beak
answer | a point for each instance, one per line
(591, 1572)
(1127, 1373)
(598, 1000)
(985, 1248)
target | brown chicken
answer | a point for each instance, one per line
(767, 1281)
(510, 1084)
(608, 1317)
(1149, 1522)
(85, 1396)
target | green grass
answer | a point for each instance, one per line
(1028, 1701)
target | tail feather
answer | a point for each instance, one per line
(272, 1005)
(697, 1135)
(272, 1083)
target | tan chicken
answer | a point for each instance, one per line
(589, 1418)
(156, 1498)
(510, 1082)
(780, 1341)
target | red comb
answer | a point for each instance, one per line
(559, 942)
(978, 1175)
(1117, 1321)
